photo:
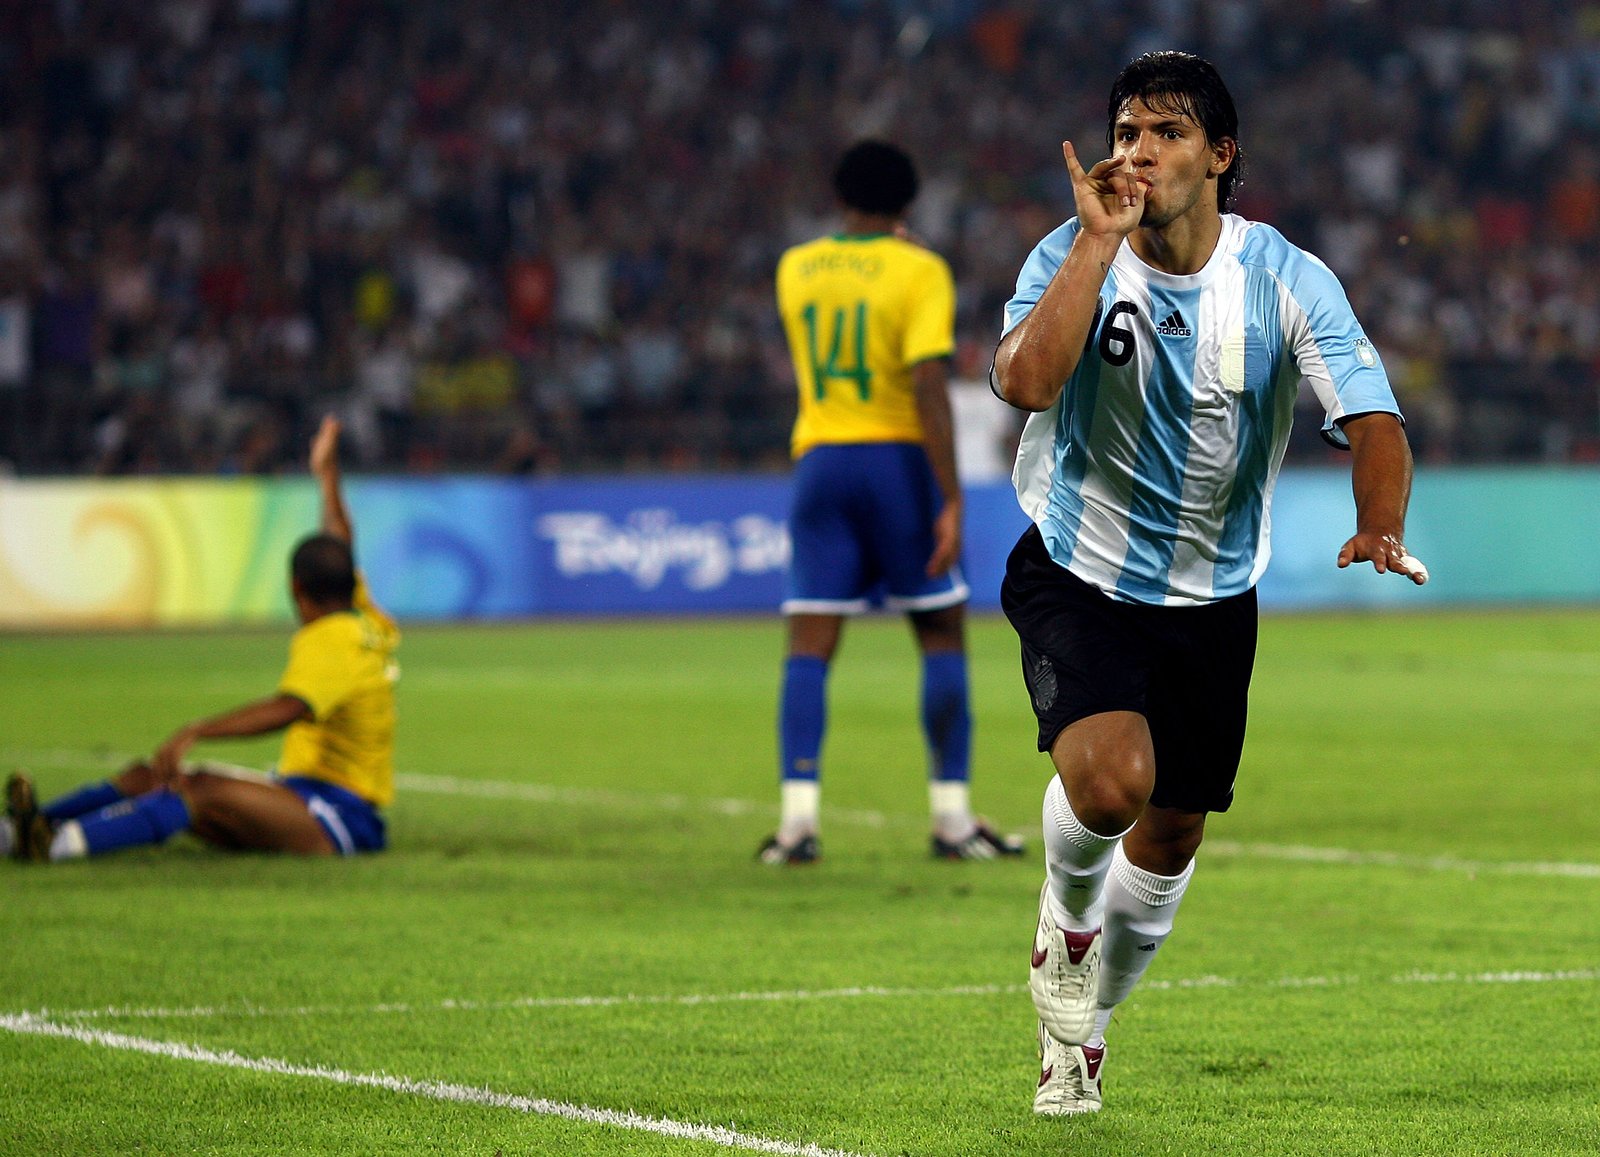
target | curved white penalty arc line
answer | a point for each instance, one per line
(433, 1090)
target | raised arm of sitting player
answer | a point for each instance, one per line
(325, 468)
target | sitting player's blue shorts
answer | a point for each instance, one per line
(861, 528)
(351, 822)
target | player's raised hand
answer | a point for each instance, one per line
(1386, 553)
(325, 468)
(1109, 197)
(325, 446)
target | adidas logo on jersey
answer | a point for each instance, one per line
(1173, 325)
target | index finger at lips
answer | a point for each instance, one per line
(1074, 169)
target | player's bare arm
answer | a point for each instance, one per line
(257, 718)
(325, 468)
(1039, 354)
(930, 382)
(1381, 480)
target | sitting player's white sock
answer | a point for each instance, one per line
(1076, 861)
(801, 802)
(69, 843)
(1139, 910)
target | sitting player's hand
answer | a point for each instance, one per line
(325, 446)
(167, 762)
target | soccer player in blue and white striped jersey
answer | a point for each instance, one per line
(1159, 343)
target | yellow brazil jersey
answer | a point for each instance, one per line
(859, 312)
(342, 665)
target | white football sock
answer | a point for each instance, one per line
(68, 843)
(1102, 1021)
(950, 804)
(802, 799)
(1076, 861)
(1139, 910)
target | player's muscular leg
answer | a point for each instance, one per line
(1107, 764)
(939, 631)
(816, 636)
(1164, 840)
(257, 817)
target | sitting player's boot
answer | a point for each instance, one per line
(983, 844)
(805, 850)
(1065, 977)
(30, 831)
(1069, 1077)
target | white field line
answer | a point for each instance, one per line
(1300, 853)
(433, 1090)
(629, 999)
(582, 796)
(449, 785)
(249, 1012)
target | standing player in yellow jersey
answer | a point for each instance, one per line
(876, 512)
(335, 700)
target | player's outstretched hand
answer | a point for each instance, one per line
(1109, 197)
(325, 446)
(1386, 553)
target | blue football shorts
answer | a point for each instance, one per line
(861, 532)
(352, 823)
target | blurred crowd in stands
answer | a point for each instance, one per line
(540, 237)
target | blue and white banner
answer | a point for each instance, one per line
(159, 552)
(486, 548)
(482, 548)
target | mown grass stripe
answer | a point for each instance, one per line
(246, 1011)
(450, 785)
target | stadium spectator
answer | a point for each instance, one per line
(876, 511)
(335, 701)
(1159, 343)
(302, 180)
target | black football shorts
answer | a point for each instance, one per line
(1186, 669)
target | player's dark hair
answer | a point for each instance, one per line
(1182, 83)
(324, 569)
(875, 177)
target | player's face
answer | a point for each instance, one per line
(1169, 154)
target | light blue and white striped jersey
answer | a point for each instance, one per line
(1151, 477)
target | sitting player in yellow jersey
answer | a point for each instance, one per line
(336, 700)
(876, 510)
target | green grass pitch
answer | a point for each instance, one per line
(1392, 943)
